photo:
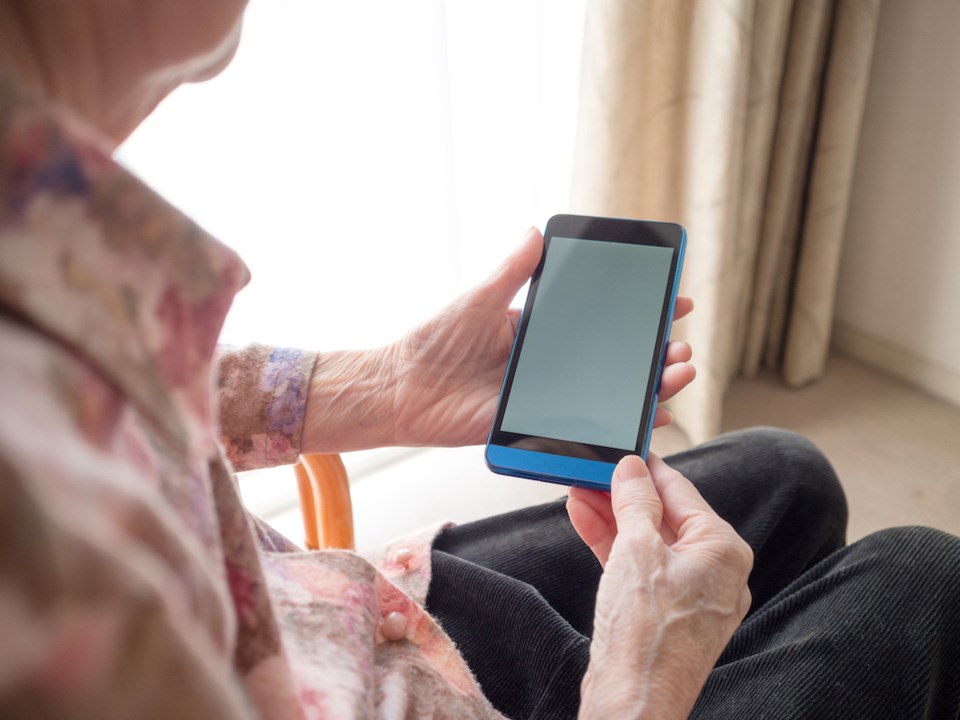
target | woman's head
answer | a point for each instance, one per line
(113, 61)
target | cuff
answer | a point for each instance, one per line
(263, 398)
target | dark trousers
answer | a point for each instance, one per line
(871, 630)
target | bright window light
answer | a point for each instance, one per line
(371, 159)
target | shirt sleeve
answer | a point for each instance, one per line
(263, 399)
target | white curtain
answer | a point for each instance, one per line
(370, 159)
(740, 120)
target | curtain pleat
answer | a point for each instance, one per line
(788, 163)
(740, 120)
(834, 158)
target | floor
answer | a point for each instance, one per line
(896, 450)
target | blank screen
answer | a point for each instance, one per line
(590, 342)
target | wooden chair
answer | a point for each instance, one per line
(325, 502)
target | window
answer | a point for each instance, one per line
(370, 159)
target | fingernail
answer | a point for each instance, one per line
(631, 468)
(531, 232)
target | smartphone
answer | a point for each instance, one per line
(581, 385)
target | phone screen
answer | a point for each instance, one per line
(590, 343)
(581, 386)
(590, 346)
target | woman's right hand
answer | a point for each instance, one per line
(673, 590)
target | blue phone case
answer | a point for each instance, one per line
(565, 469)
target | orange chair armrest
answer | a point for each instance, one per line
(325, 502)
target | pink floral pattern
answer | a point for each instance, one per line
(132, 581)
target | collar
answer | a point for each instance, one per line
(92, 257)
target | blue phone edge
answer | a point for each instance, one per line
(547, 467)
(666, 342)
(563, 470)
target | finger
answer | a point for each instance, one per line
(513, 315)
(682, 307)
(675, 378)
(681, 501)
(677, 352)
(662, 417)
(516, 269)
(591, 527)
(667, 534)
(599, 501)
(744, 602)
(634, 497)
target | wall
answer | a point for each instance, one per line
(898, 304)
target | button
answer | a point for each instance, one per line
(403, 556)
(394, 626)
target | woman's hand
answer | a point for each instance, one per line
(439, 384)
(449, 370)
(673, 591)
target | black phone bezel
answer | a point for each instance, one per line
(588, 228)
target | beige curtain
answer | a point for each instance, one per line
(739, 119)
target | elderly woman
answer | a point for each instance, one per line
(133, 584)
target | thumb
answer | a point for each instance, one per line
(633, 495)
(517, 268)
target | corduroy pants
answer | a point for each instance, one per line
(870, 630)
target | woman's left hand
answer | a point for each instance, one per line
(449, 370)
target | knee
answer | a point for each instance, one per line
(921, 557)
(786, 455)
(916, 572)
(800, 473)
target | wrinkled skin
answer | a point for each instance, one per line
(673, 591)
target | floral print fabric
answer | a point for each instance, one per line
(132, 581)
(261, 422)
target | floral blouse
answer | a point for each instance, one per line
(132, 581)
